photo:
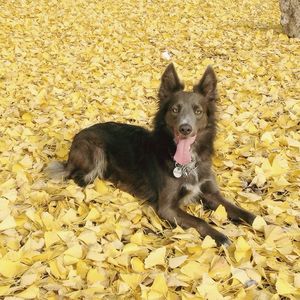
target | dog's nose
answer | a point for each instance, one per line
(185, 129)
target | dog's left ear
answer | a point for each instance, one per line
(170, 83)
(207, 85)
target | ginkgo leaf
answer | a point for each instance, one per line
(31, 292)
(242, 250)
(160, 285)
(175, 262)
(10, 268)
(259, 223)
(7, 223)
(156, 257)
(220, 213)
(132, 280)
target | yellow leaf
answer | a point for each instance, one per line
(26, 162)
(4, 290)
(240, 275)
(7, 223)
(131, 248)
(70, 216)
(208, 289)
(9, 268)
(152, 295)
(297, 280)
(51, 238)
(93, 276)
(194, 270)
(156, 257)
(283, 287)
(242, 249)
(278, 167)
(160, 285)
(281, 182)
(250, 196)
(219, 268)
(27, 117)
(11, 195)
(267, 137)
(175, 262)
(208, 242)
(100, 186)
(93, 214)
(88, 236)
(57, 270)
(293, 143)
(70, 260)
(28, 279)
(220, 214)
(90, 194)
(132, 280)
(260, 179)
(31, 292)
(259, 223)
(137, 265)
(82, 268)
(273, 232)
(261, 71)
(62, 152)
(75, 251)
(137, 238)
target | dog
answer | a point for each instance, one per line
(169, 165)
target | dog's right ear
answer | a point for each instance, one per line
(170, 83)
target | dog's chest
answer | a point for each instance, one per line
(189, 193)
(190, 190)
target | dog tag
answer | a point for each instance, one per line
(177, 172)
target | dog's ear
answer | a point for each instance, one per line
(170, 83)
(207, 85)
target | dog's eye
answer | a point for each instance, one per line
(198, 111)
(175, 109)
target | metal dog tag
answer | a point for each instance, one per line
(177, 172)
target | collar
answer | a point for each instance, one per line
(184, 170)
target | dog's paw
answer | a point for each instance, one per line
(222, 239)
(241, 216)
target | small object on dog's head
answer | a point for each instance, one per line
(177, 172)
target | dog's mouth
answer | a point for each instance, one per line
(183, 154)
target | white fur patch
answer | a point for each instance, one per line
(193, 191)
(100, 166)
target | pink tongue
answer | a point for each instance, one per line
(183, 155)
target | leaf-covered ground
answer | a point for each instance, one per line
(65, 65)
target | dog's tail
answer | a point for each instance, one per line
(57, 170)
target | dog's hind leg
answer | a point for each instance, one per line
(86, 162)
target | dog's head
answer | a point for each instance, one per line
(187, 114)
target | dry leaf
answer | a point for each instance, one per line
(156, 257)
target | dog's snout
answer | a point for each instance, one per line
(185, 129)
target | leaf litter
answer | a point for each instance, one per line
(67, 65)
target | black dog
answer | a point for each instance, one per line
(167, 166)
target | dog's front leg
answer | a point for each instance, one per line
(175, 215)
(212, 198)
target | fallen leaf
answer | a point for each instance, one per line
(156, 257)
